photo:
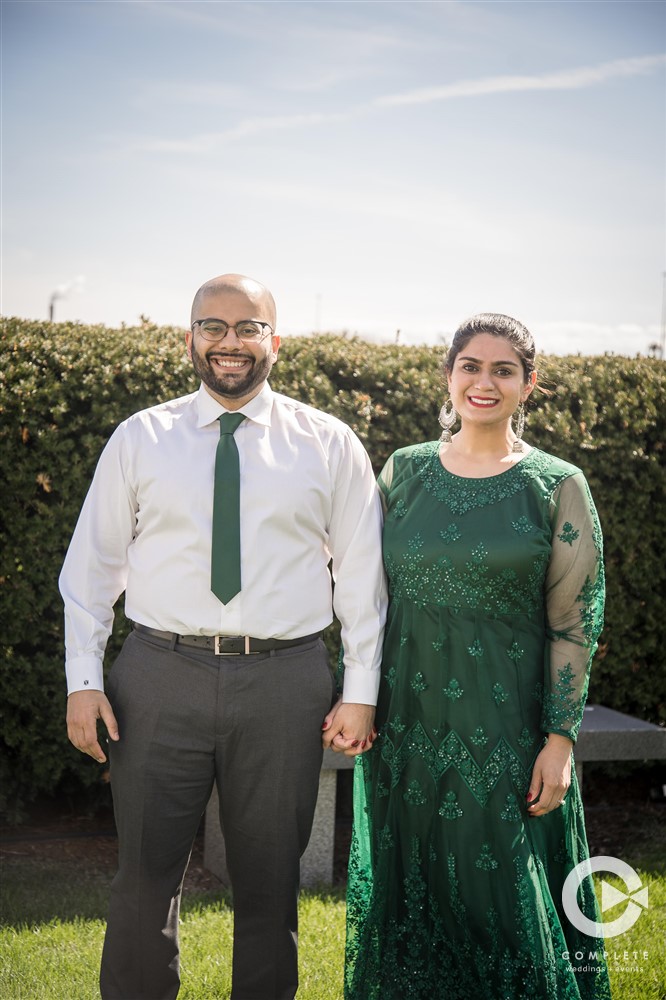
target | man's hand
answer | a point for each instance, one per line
(348, 728)
(84, 708)
(551, 776)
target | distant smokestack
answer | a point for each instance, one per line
(62, 291)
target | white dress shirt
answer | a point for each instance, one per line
(308, 496)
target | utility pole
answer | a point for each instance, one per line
(663, 317)
(318, 312)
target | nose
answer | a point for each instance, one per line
(225, 340)
(483, 380)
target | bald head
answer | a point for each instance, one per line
(237, 284)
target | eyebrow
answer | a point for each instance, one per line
(477, 361)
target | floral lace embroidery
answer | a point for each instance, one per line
(568, 534)
(476, 649)
(499, 694)
(525, 740)
(592, 611)
(418, 683)
(479, 738)
(452, 752)
(523, 525)
(562, 710)
(450, 808)
(463, 495)
(450, 534)
(399, 509)
(414, 794)
(515, 653)
(385, 839)
(511, 812)
(411, 952)
(453, 691)
(486, 861)
(475, 586)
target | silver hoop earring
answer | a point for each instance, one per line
(447, 418)
(519, 429)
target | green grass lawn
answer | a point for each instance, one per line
(53, 925)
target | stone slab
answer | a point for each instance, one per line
(609, 735)
(317, 861)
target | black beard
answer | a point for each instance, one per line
(232, 388)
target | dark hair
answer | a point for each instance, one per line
(497, 325)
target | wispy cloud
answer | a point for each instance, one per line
(169, 92)
(209, 142)
(568, 79)
(253, 126)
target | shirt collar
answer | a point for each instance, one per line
(257, 409)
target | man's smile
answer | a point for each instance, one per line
(228, 363)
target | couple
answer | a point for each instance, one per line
(467, 813)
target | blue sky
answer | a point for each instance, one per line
(380, 165)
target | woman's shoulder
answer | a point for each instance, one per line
(553, 465)
(415, 452)
(405, 463)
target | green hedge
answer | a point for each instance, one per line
(65, 387)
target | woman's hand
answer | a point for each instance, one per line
(551, 776)
(348, 728)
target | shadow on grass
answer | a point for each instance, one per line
(636, 835)
(39, 893)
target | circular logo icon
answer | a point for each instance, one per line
(636, 897)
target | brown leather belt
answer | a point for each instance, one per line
(225, 645)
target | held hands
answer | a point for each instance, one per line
(84, 708)
(349, 729)
(551, 776)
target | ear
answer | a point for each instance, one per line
(529, 385)
(275, 345)
(188, 343)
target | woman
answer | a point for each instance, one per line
(468, 817)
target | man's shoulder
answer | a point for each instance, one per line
(163, 412)
(310, 413)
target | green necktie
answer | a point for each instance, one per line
(225, 570)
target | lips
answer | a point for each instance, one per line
(228, 363)
(483, 402)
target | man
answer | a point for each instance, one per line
(230, 686)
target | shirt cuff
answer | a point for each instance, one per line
(361, 687)
(84, 673)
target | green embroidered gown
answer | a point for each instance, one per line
(496, 604)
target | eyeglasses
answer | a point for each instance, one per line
(246, 329)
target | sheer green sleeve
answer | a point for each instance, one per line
(574, 606)
(384, 480)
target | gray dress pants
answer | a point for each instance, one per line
(252, 724)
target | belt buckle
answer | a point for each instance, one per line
(221, 652)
